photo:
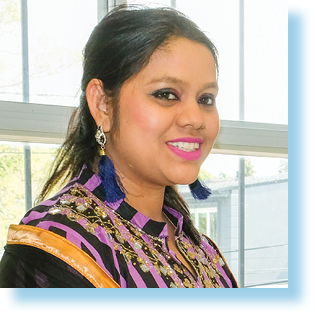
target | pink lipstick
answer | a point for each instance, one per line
(186, 148)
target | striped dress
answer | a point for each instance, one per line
(75, 239)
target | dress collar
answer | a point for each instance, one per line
(93, 183)
(149, 226)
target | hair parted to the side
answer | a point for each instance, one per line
(118, 48)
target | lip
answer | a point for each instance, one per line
(192, 155)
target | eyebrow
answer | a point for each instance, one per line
(169, 79)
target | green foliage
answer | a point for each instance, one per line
(204, 175)
(10, 11)
(222, 175)
(12, 190)
(249, 169)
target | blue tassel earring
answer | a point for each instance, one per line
(107, 174)
(199, 190)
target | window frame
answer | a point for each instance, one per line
(41, 123)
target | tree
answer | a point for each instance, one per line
(204, 175)
(12, 191)
(249, 168)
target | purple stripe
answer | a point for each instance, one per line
(34, 215)
(75, 238)
(158, 279)
(135, 276)
(210, 249)
(116, 264)
(139, 219)
(224, 276)
(173, 212)
(48, 202)
(114, 205)
(100, 234)
(92, 183)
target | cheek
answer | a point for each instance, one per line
(216, 126)
(142, 120)
(213, 125)
(212, 129)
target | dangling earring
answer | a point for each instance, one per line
(107, 174)
(101, 139)
(199, 190)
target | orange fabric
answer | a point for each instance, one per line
(64, 250)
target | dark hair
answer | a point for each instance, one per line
(118, 48)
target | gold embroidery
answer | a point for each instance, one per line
(130, 243)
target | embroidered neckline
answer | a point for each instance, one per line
(126, 211)
(135, 245)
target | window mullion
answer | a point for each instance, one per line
(26, 95)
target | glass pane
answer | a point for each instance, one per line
(202, 223)
(213, 226)
(266, 61)
(10, 52)
(12, 197)
(58, 31)
(212, 16)
(266, 214)
(42, 157)
(193, 217)
(12, 180)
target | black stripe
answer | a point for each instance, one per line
(153, 227)
(126, 211)
(58, 231)
(86, 250)
(35, 268)
(99, 192)
(173, 219)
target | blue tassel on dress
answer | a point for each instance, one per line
(199, 190)
(110, 181)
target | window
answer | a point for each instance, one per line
(248, 174)
(205, 219)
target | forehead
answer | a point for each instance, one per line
(181, 59)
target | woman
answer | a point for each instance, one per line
(146, 121)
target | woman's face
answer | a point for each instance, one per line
(168, 118)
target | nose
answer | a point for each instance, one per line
(191, 115)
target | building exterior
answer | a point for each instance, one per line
(266, 225)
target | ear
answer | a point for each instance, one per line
(99, 104)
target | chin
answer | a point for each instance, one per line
(186, 181)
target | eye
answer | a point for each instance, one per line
(207, 100)
(165, 95)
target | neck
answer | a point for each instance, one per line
(148, 201)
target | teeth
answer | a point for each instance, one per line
(185, 146)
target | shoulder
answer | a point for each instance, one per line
(67, 213)
(75, 197)
(68, 227)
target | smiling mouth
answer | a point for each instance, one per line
(185, 146)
